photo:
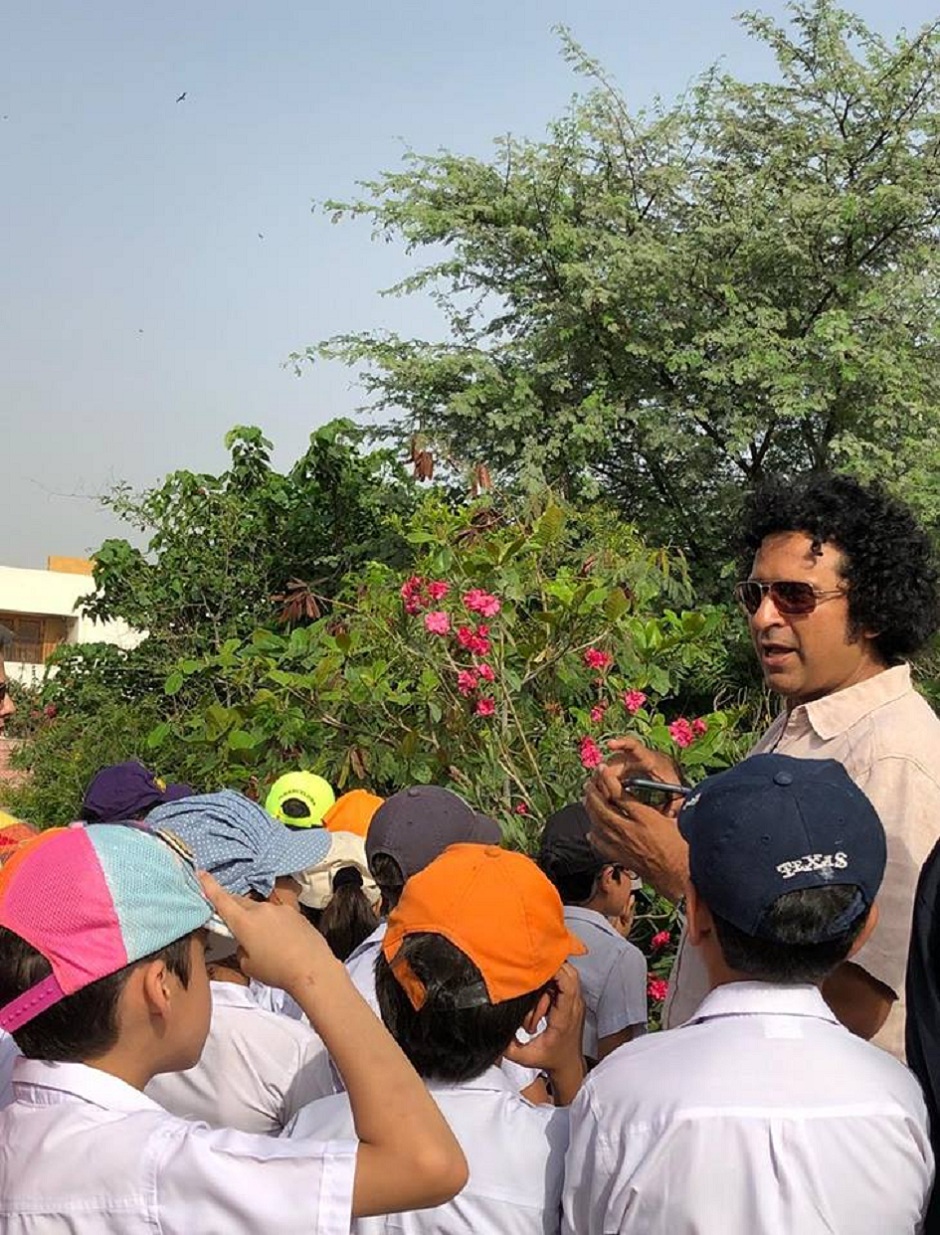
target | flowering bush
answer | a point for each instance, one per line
(500, 665)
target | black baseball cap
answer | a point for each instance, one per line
(564, 848)
(416, 825)
(772, 825)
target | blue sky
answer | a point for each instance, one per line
(142, 315)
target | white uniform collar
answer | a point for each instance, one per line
(762, 999)
(42, 1083)
(493, 1079)
(233, 995)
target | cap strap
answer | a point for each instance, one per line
(18, 1012)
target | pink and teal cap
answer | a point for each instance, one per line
(91, 900)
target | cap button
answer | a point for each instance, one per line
(783, 778)
(413, 792)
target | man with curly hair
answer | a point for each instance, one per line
(840, 590)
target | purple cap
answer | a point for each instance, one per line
(416, 825)
(127, 791)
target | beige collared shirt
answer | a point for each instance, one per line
(888, 739)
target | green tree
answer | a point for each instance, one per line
(223, 550)
(667, 305)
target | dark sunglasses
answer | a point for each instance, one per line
(4, 691)
(791, 597)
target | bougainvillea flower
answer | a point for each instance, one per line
(681, 732)
(437, 623)
(660, 940)
(478, 601)
(594, 658)
(466, 681)
(657, 988)
(633, 700)
(485, 706)
(591, 754)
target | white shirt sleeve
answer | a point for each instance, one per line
(590, 1172)
(211, 1180)
(622, 1000)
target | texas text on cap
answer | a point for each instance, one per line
(497, 907)
(415, 825)
(238, 842)
(92, 900)
(772, 825)
(127, 791)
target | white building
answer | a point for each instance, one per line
(38, 606)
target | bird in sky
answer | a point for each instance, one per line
(181, 97)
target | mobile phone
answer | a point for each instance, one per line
(652, 792)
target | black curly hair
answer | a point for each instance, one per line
(889, 562)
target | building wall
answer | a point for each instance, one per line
(46, 599)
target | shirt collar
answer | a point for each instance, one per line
(234, 995)
(578, 913)
(493, 1079)
(762, 999)
(42, 1083)
(835, 713)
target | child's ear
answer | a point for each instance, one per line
(541, 1009)
(157, 987)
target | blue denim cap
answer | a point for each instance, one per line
(772, 825)
(238, 842)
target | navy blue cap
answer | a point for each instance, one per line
(772, 825)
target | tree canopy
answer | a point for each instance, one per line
(667, 305)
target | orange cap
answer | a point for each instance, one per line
(352, 812)
(496, 907)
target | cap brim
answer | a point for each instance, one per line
(297, 851)
(576, 946)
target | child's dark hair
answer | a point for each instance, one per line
(348, 918)
(442, 1041)
(890, 565)
(81, 1026)
(391, 882)
(793, 957)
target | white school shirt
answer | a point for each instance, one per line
(360, 964)
(760, 1116)
(256, 1071)
(273, 999)
(9, 1053)
(83, 1153)
(613, 978)
(515, 1153)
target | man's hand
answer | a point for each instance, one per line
(276, 944)
(624, 830)
(557, 1049)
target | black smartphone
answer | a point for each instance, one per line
(653, 792)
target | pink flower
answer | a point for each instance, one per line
(485, 706)
(590, 752)
(478, 601)
(660, 940)
(681, 732)
(437, 623)
(699, 726)
(412, 594)
(487, 673)
(597, 713)
(633, 700)
(466, 681)
(50, 711)
(438, 590)
(474, 641)
(657, 988)
(521, 808)
(594, 658)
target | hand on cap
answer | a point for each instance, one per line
(557, 1049)
(276, 944)
(638, 837)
